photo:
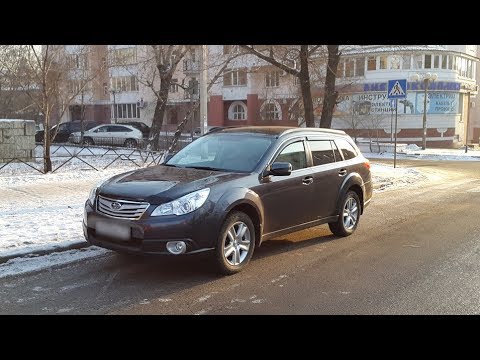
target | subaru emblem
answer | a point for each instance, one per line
(115, 205)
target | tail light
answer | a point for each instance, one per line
(366, 163)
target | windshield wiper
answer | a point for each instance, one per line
(204, 168)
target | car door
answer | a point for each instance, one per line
(287, 200)
(326, 174)
(102, 135)
(119, 134)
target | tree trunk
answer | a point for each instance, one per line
(160, 107)
(304, 78)
(330, 96)
(47, 162)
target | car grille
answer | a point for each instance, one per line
(121, 209)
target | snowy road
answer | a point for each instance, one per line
(416, 252)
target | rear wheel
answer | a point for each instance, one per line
(349, 215)
(88, 141)
(130, 143)
(236, 243)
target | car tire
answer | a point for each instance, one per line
(349, 215)
(88, 141)
(233, 249)
(130, 143)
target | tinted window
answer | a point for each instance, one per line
(347, 149)
(322, 152)
(294, 154)
(75, 127)
(119, 129)
(102, 129)
(338, 157)
(62, 127)
(231, 152)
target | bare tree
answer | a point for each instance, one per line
(294, 60)
(43, 73)
(331, 94)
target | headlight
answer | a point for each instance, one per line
(184, 205)
(93, 192)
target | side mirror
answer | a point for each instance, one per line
(280, 169)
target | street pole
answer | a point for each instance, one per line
(468, 121)
(395, 146)
(115, 110)
(391, 123)
(424, 139)
(203, 90)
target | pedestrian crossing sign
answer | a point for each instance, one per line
(397, 89)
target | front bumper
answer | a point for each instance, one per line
(150, 235)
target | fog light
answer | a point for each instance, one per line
(176, 247)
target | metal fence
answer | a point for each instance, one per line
(100, 155)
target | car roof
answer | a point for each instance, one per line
(277, 130)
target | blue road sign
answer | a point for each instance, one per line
(397, 89)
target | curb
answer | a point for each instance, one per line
(75, 246)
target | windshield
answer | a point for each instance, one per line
(223, 152)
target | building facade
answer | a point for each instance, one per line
(248, 91)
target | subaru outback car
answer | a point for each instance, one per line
(231, 190)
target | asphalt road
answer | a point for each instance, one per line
(416, 251)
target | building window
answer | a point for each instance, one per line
(406, 62)
(174, 85)
(272, 79)
(436, 61)
(105, 88)
(417, 61)
(470, 69)
(271, 110)
(444, 61)
(360, 67)
(235, 78)
(349, 67)
(450, 62)
(77, 86)
(123, 56)
(296, 81)
(394, 62)
(371, 63)
(237, 111)
(428, 61)
(383, 62)
(124, 83)
(125, 111)
(77, 61)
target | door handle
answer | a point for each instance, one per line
(307, 180)
(342, 172)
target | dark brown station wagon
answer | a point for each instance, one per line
(230, 190)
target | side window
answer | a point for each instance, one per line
(62, 127)
(294, 154)
(322, 152)
(347, 149)
(103, 129)
(338, 157)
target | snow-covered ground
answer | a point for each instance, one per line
(413, 151)
(44, 212)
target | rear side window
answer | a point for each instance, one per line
(346, 148)
(322, 152)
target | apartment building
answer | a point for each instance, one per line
(249, 91)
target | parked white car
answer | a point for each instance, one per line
(110, 134)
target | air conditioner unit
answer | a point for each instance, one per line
(141, 104)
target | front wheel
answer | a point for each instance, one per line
(349, 216)
(235, 244)
(88, 141)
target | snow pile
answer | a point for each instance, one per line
(24, 265)
(386, 177)
(412, 147)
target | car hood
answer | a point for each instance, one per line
(161, 183)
